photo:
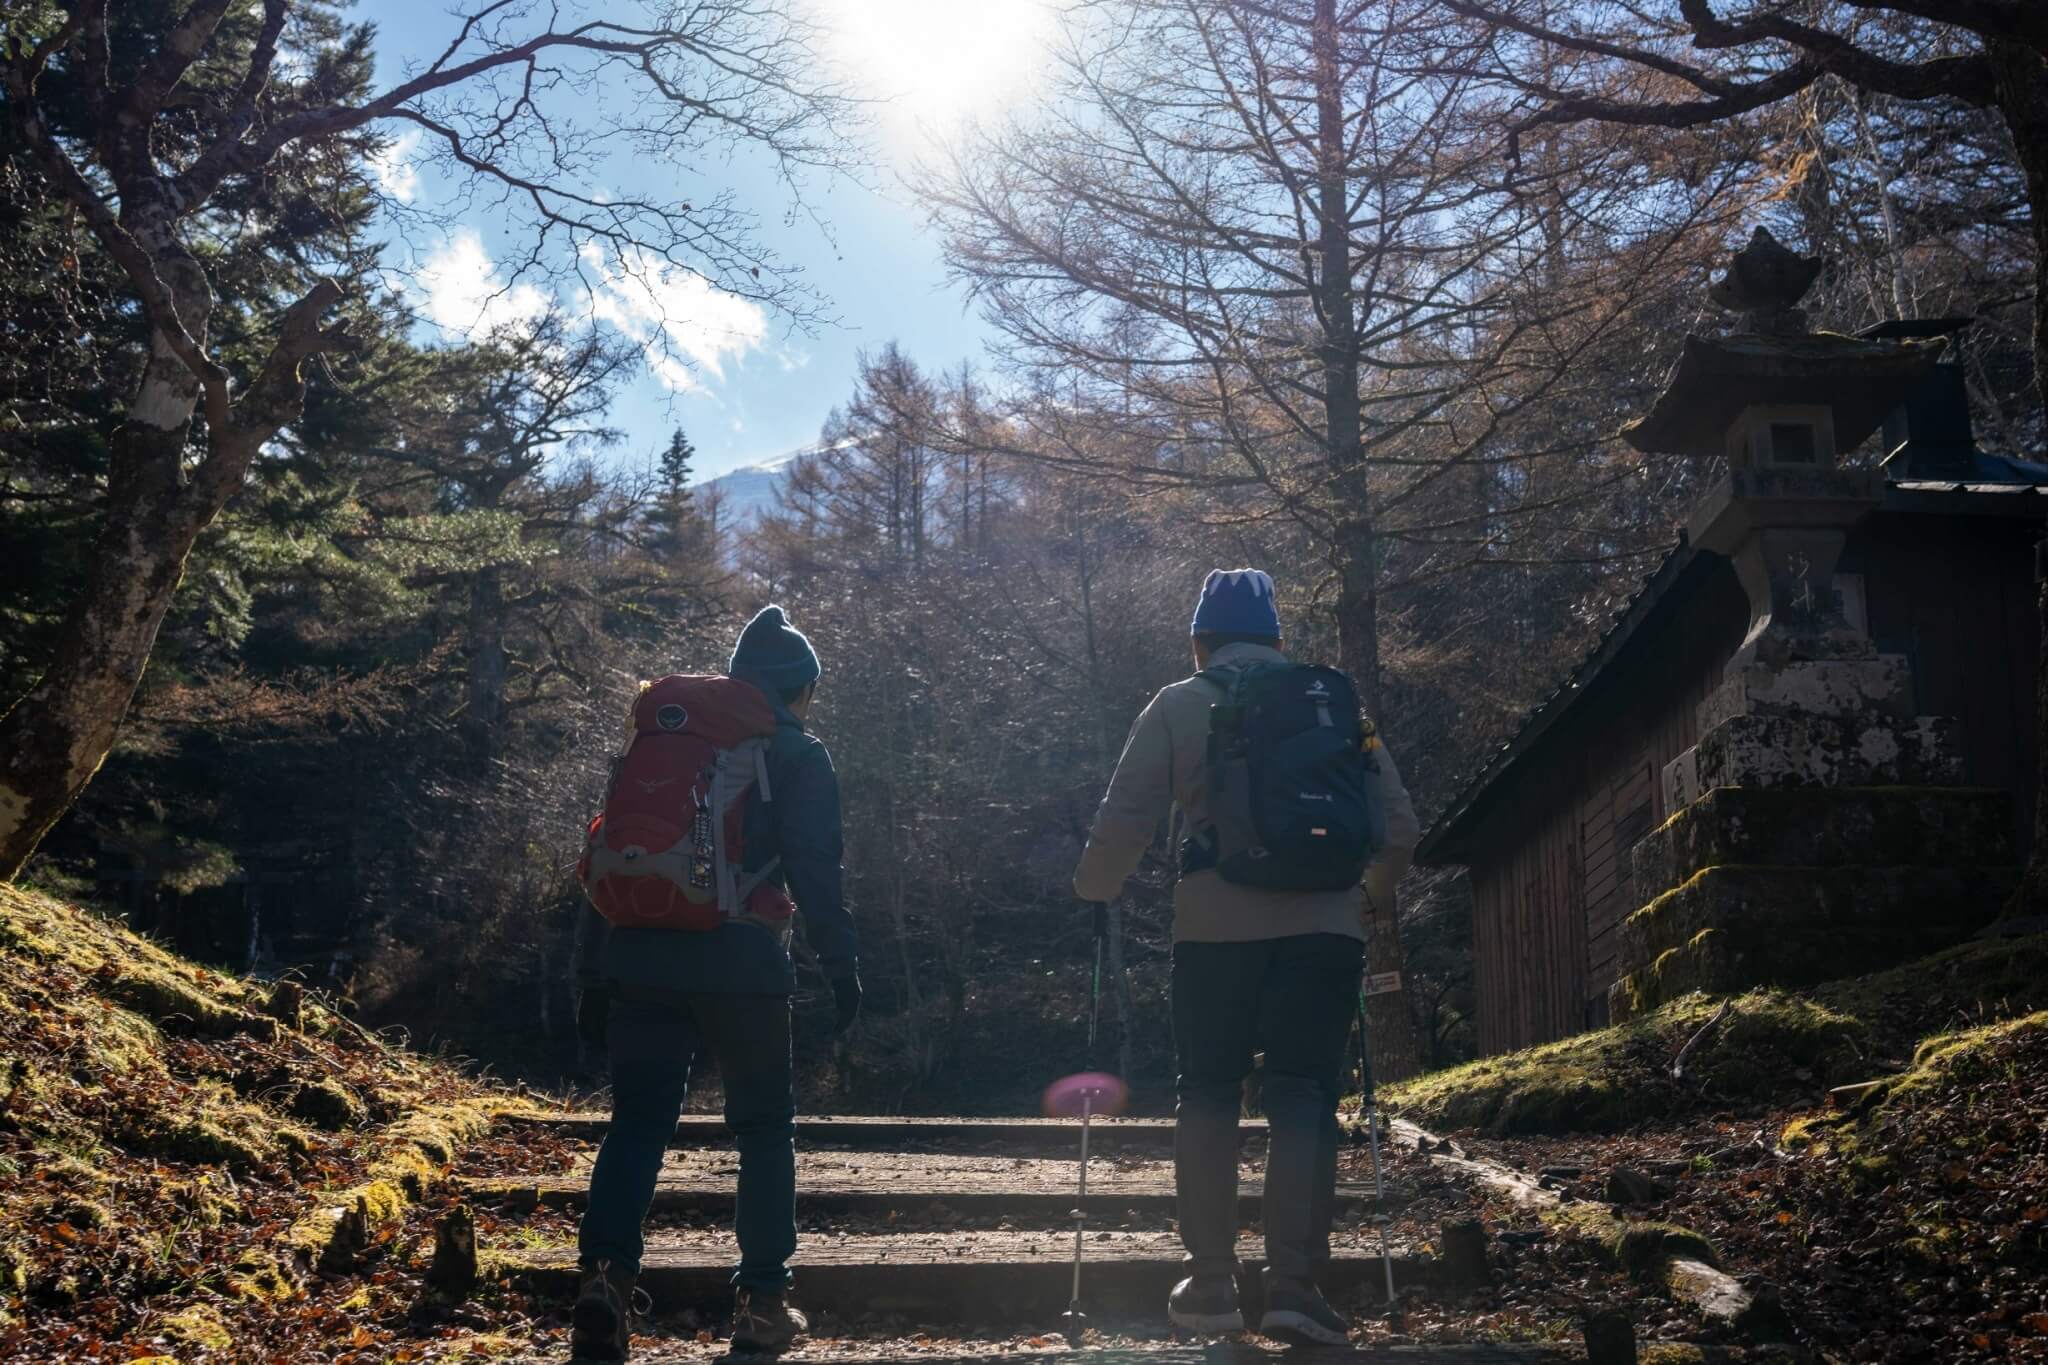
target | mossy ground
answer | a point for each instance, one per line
(172, 1158)
(1897, 1122)
(1773, 1047)
(1610, 1078)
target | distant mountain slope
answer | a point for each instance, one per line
(751, 490)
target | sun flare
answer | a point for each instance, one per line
(939, 63)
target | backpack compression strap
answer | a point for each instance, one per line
(728, 784)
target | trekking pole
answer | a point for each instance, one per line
(1372, 1128)
(1074, 1322)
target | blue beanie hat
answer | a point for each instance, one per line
(774, 652)
(1237, 602)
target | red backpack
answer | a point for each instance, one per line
(668, 849)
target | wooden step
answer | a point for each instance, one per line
(923, 1186)
(954, 1276)
(895, 1131)
(1251, 1351)
(919, 1200)
(914, 1185)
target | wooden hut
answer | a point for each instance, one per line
(1850, 651)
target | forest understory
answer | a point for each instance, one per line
(196, 1168)
(387, 390)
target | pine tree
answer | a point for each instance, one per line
(675, 469)
(675, 524)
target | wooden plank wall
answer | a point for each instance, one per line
(1531, 959)
(1551, 885)
(1957, 598)
(1549, 876)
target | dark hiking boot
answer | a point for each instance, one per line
(1205, 1306)
(1298, 1314)
(763, 1323)
(601, 1324)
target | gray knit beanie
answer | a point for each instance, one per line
(775, 653)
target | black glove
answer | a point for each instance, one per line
(593, 1012)
(846, 996)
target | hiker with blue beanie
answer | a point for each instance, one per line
(1286, 810)
(654, 999)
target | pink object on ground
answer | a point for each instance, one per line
(1105, 1095)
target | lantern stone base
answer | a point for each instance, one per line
(1730, 929)
(1827, 827)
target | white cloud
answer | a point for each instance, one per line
(461, 291)
(686, 325)
(396, 174)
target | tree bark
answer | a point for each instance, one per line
(54, 739)
(484, 709)
(2021, 75)
(1356, 542)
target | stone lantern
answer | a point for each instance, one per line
(1807, 699)
(1816, 809)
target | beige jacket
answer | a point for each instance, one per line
(1161, 773)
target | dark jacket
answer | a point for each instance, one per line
(801, 826)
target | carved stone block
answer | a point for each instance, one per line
(1838, 687)
(1830, 751)
(1681, 780)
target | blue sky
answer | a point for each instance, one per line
(756, 390)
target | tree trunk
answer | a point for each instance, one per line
(1356, 543)
(484, 710)
(54, 739)
(2023, 99)
(1119, 988)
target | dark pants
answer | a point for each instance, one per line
(652, 1048)
(1295, 999)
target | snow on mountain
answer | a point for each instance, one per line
(747, 492)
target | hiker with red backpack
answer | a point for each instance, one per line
(721, 820)
(1287, 809)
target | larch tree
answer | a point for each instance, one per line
(157, 124)
(1267, 246)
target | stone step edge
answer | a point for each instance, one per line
(521, 1195)
(955, 1289)
(856, 1129)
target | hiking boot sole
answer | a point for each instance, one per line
(769, 1346)
(1208, 1324)
(761, 1348)
(598, 1321)
(1299, 1329)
